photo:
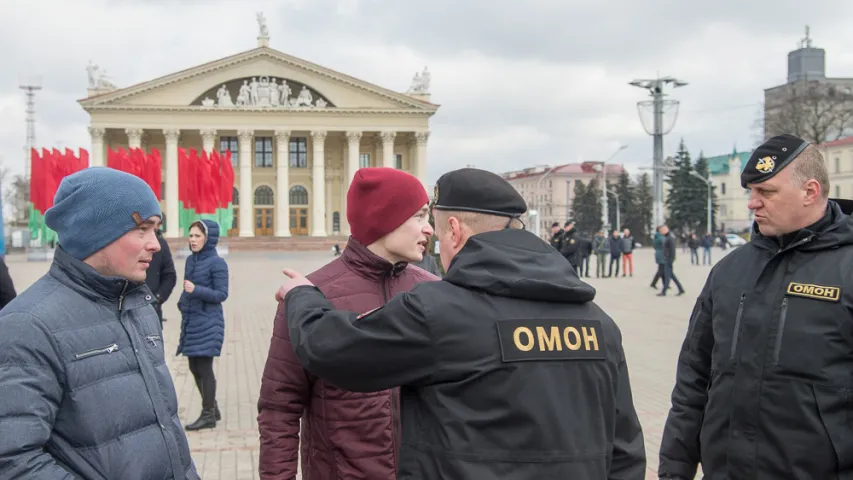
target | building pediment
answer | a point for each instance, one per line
(262, 79)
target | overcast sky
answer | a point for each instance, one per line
(542, 83)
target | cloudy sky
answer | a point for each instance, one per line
(519, 83)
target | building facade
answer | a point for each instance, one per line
(733, 214)
(554, 188)
(838, 156)
(297, 132)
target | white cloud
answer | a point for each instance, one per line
(517, 87)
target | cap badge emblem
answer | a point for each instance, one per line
(765, 165)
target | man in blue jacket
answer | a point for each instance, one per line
(84, 387)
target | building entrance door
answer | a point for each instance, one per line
(298, 221)
(263, 222)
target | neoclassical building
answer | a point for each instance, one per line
(297, 132)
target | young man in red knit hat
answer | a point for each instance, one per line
(346, 434)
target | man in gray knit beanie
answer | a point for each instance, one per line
(84, 388)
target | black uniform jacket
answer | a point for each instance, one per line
(507, 368)
(764, 383)
(569, 246)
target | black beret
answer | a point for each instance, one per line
(569, 222)
(475, 190)
(555, 224)
(771, 157)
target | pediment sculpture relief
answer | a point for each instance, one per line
(265, 91)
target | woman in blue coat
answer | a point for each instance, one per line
(202, 320)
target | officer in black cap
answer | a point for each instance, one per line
(763, 384)
(556, 236)
(506, 367)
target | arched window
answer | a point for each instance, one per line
(336, 222)
(264, 196)
(236, 197)
(298, 195)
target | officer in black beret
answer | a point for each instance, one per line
(506, 367)
(556, 236)
(763, 386)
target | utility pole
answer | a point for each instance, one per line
(30, 87)
(657, 129)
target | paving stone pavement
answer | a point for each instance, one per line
(652, 328)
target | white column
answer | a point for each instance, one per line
(134, 137)
(388, 149)
(282, 183)
(208, 140)
(318, 184)
(172, 202)
(96, 156)
(420, 166)
(353, 151)
(247, 194)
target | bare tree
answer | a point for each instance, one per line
(17, 196)
(812, 110)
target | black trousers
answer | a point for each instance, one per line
(614, 259)
(202, 370)
(658, 275)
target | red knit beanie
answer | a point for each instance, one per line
(380, 200)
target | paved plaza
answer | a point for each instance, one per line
(652, 329)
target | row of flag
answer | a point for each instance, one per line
(209, 192)
(46, 172)
(206, 183)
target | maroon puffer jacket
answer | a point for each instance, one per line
(345, 435)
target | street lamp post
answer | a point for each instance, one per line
(605, 215)
(710, 205)
(618, 219)
(658, 129)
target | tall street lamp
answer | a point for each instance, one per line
(618, 220)
(605, 216)
(658, 128)
(710, 206)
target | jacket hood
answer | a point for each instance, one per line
(834, 230)
(517, 264)
(211, 235)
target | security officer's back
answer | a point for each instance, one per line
(508, 369)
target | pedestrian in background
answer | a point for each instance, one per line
(627, 253)
(202, 317)
(602, 250)
(161, 278)
(615, 244)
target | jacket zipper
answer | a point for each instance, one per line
(782, 317)
(121, 299)
(153, 339)
(737, 326)
(98, 351)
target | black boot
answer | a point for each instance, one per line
(216, 409)
(207, 419)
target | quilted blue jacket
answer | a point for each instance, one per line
(84, 387)
(202, 320)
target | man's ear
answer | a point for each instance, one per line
(811, 192)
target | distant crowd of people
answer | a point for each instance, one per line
(577, 248)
